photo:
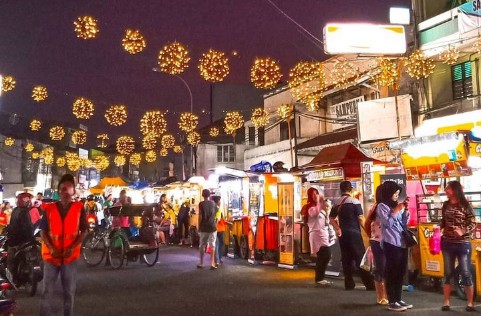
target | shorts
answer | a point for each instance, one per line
(207, 239)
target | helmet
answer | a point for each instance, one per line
(90, 197)
(24, 200)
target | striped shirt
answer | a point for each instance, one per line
(455, 216)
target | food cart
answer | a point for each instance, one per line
(433, 161)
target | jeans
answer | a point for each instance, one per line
(68, 277)
(183, 228)
(379, 260)
(219, 247)
(462, 252)
(323, 258)
(396, 266)
(352, 251)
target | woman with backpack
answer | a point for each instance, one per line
(316, 215)
(373, 230)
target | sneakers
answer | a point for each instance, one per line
(396, 307)
(404, 304)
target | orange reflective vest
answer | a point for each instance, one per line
(63, 233)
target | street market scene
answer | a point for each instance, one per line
(265, 157)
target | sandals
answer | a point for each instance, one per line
(446, 308)
(470, 309)
(213, 268)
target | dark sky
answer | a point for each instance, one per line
(38, 46)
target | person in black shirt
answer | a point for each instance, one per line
(347, 218)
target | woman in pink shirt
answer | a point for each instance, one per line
(321, 237)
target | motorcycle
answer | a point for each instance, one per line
(7, 305)
(27, 263)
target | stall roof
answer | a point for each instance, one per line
(347, 156)
(329, 138)
(108, 182)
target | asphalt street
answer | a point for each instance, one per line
(176, 287)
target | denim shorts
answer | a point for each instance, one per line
(461, 252)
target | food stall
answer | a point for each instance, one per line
(232, 186)
(433, 161)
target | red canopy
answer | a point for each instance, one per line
(347, 156)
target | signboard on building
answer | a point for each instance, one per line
(469, 17)
(381, 151)
(378, 119)
(344, 113)
(352, 38)
(331, 174)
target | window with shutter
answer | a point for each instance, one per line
(462, 80)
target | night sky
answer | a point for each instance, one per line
(38, 46)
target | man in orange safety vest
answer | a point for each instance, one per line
(63, 226)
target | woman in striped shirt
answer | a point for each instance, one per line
(457, 224)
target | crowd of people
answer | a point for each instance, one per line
(386, 226)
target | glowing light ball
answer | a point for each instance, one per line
(214, 66)
(86, 27)
(265, 73)
(61, 162)
(193, 138)
(120, 160)
(83, 108)
(419, 66)
(8, 83)
(153, 123)
(57, 133)
(150, 156)
(79, 137)
(39, 93)
(214, 132)
(188, 122)
(259, 117)
(29, 147)
(173, 58)
(233, 121)
(133, 41)
(35, 125)
(168, 141)
(164, 152)
(116, 115)
(149, 141)
(9, 141)
(101, 163)
(135, 159)
(125, 145)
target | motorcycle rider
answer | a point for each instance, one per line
(20, 229)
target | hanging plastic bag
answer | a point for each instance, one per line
(435, 241)
(366, 262)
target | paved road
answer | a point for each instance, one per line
(175, 287)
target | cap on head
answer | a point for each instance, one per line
(66, 178)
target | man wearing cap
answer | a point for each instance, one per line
(63, 228)
(347, 218)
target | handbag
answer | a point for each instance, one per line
(409, 237)
(367, 260)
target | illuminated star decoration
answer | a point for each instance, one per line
(259, 117)
(83, 108)
(149, 141)
(285, 111)
(39, 93)
(265, 73)
(419, 66)
(79, 137)
(120, 160)
(86, 27)
(101, 163)
(150, 156)
(233, 121)
(387, 75)
(102, 140)
(135, 159)
(214, 66)
(61, 162)
(168, 141)
(116, 115)
(125, 145)
(214, 132)
(9, 141)
(173, 58)
(47, 155)
(133, 42)
(193, 138)
(177, 149)
(343, 74)
(8, 83)
(35, 125)
(57, 133)
(164, 152)
(153, 123)
(450, 56)
(29, 147)
(306, 83)
(188, 122)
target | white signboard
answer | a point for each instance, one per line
(469, 17)
(364, 39)
(378, 119)
(344, 113)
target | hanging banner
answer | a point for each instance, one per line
(469, 16)
(344, 113)
(381, 151)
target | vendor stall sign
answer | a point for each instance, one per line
(436, 171)
(400, 179)
(382, 151)
(331, 174)
(286, 224)
(475, 149)
(345, 113)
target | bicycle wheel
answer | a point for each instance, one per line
(151, 258)
(116, 252)
(93, 250)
